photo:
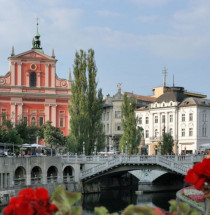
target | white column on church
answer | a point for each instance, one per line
(19, 73)
(27, 78)
(20, 110)
(47, 112)
(53, 114)
(12, 73)
(46, 75)
(53, 75)
(13, 112)
(38, 79)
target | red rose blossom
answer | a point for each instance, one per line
(31, 202)
(199, 174)
(191, 177)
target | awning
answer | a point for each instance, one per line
(186, 143)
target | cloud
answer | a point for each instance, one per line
(150, 2)
(63, 18)
(146, 19)
(109, 14)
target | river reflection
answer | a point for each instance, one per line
(117, 200)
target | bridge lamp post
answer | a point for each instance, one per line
(95, 148)
(126, 147)
(159, 148)
(83, 144)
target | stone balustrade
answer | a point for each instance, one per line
(179, 164)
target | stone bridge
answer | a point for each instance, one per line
(177, 164)
(19, 172)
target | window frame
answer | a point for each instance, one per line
(183, 132)
(33, 79)
(156, 119)
(190, 116)
(183, 117)
(190, 132)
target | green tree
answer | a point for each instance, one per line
(53, 136)
(86, 105)
(9, 134)
(168, 143)
(27, 133)
(131, 133)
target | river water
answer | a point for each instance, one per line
(117, 200)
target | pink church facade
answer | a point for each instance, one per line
(31, 90)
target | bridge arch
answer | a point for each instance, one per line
(36, 175)
(169, 178)
(52, 174)
(68, 173)
(20, 175)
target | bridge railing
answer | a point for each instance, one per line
(36, 180)
(100, 159)
(67, 179)
(176, 163)
(52, 179)
(19, 181)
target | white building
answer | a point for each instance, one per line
(185, 115)
(111, 117)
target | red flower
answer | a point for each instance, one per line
(191, 177)
(199, 168)
(200, 184)
(206, 167)
(199, 174)
(18, 206)
(31, 202)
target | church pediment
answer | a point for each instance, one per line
(32, 54)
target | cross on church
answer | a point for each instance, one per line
(165, 75)
(37, 24)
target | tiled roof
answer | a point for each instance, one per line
(171, 96)
(192, 101)
(144, 98)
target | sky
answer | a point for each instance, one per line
(133, 40)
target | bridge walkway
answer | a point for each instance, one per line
(178, 164)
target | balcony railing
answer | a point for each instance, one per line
(156, 138)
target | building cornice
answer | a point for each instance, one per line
(22, 94)
(35, 88)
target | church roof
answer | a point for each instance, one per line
(33, 54)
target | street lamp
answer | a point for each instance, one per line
(83, 144)
(95, 148)
(159, 148)
(113, 143)
(126, 147)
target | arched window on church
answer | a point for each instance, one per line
(33, 121)
(33, 79)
